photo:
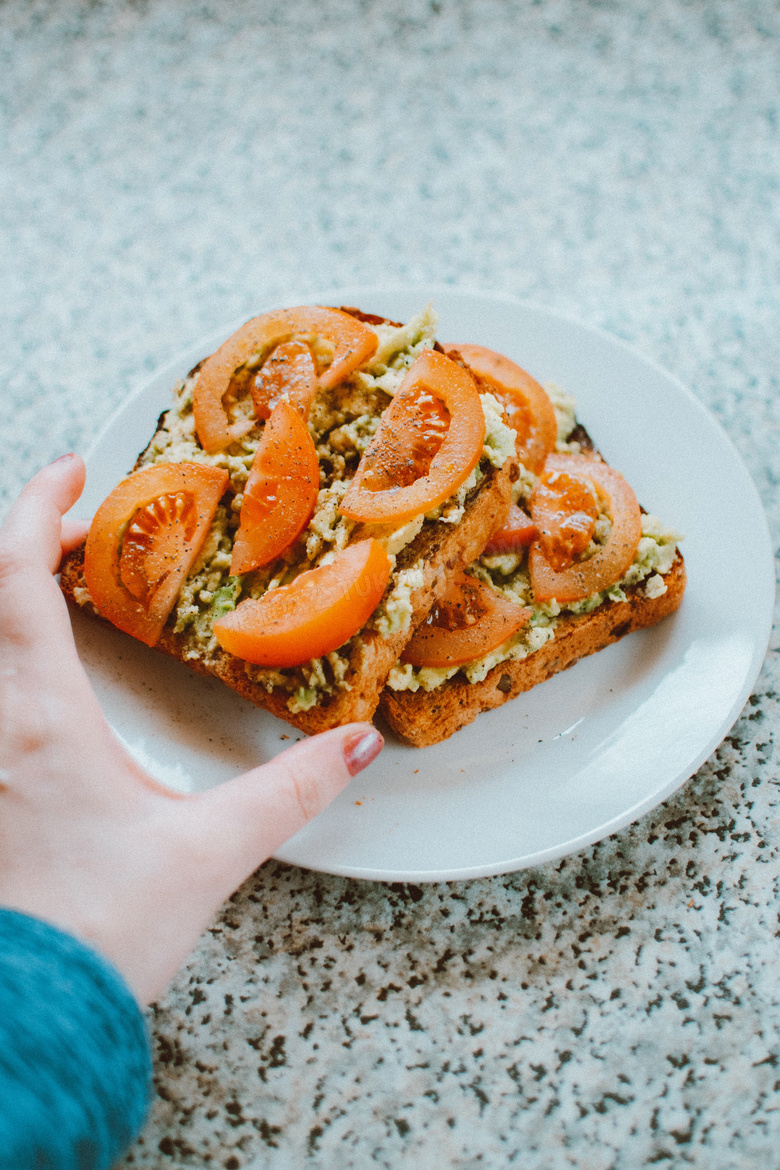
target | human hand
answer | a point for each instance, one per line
(89, 841)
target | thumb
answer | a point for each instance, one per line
(31, 546)
(244, 821)
(31, 532)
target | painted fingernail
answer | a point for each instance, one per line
(361, 749)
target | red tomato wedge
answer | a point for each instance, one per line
(289, 370)
(428, 442)
(280, 493)
(565, 510)
(528, 407)
(518, 532)
(354, 343)
(317, 613)
(144, 539)
(469, 620)
(610, 563)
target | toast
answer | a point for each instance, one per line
(427, 706)
(426, 718)
(344, 684)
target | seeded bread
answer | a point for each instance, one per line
(423, 718)
(373, 656)
(437, 549)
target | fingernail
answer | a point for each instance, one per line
(361, 749)
(64, 458)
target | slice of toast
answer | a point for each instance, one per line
(423, 718)
(346, 685)
(441, 548)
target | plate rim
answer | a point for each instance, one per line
(178, 365)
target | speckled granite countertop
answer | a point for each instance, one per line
(167, 166)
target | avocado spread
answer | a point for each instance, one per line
(508, 574)
(342, 422)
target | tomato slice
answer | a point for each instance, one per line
(289, 370)
(528, 407)
(428, 442)
(565, 510)
(280, 493)
(143, 541)
(414, 432)
(469, 620)
(354, 343)
(518, 532)
(584, 578)
(317, 613)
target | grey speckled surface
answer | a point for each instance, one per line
(169, 165)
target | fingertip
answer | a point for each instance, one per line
(60, 482)
(361, 747)
(71, 470)
(32, 529)
(246, 819)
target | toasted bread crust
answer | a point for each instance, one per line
(422, 718)
(442, 548)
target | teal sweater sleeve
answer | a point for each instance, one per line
(75, 1061)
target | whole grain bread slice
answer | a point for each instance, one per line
(423, 718)
(436, 550)
(441, 548)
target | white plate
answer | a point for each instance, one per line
(579, 757)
